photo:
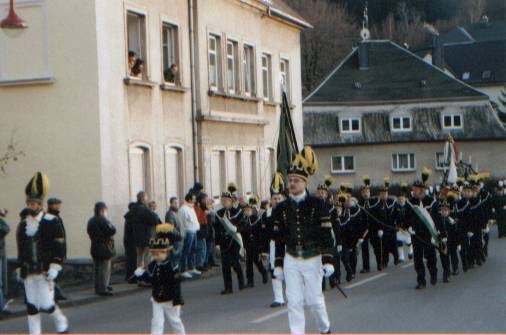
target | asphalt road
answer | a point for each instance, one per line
(386, 302)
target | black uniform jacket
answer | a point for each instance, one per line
(222, 237)
(303, 229)
(165, 281)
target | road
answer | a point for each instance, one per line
(386, 302)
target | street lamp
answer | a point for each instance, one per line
(13, 21)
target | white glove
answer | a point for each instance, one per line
(18, 275)
(278, 273)
(380, 233)
(411, 231)
(360, 241)
(264, 256)
(433, 241)
(486, 230)
(444, 240)
(339, 248)
(328, 270)
(52, 274)
(139, 271)
(469, 234)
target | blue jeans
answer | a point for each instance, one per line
(201, 252)
(189, 251)
(175, 256)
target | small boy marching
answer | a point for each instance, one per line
(164, 277)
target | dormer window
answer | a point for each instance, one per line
(452, 121)
(349, 125)
(466, 75)
(401, 123)
(486, 74)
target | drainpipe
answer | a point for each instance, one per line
(193, 92)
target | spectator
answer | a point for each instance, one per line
(210, 245)
(172, 217)
(170, 74)
(4, 230)
(201, 211)
(131, 60)
(54, 208)
(143, 222)
(137, 68)
(101, 232)
(190, 226)
(129, 245)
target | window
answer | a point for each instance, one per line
(343, 164)
(270, 168)
(452, 121)
(285, 75)
(349, 125)
(173, 172)
(170, 46)
(218, 178)
(232, 68)
(140, 173)
(401, 123)
(267, 77)
(486, 74)
(465, 76)
(137, 50)
(234, 168)
(215, 82)
(249, 70)
(441, 160)
(249, 163)
(403, 162)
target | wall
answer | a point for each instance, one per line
(56, 121)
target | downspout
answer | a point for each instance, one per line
(193, 93)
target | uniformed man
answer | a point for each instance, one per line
(250, 227)
(323, 192)
(368, 205)
(400, 222)
(444, 223)
(278, 195)
(387, 231)
(420, 207)
(41, 250)
(487, 206)
(229, 240)
(478, 222)
(464, 224)
(305, 245)
(500, 208)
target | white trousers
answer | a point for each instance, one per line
(303, 278)
(277, 288)
(173, 314)
(40, 294)
(405, 238)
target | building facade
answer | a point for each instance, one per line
(143, 95)
(385, 112)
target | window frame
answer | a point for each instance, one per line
(149, 181)
(218, 61)
(402, 129)
(286, 82)
(236, 66)
(452, 115)
(252, 92)
(177, 51)
(350, 119)
(342, 159)
(145, 44)
(410, 168)
(268, 70)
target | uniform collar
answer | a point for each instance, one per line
(298, 198)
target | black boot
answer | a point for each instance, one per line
(265, 278)
(420, 286)
(226, 291)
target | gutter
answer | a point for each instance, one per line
(193, 92)
(332, 145)
(276, 12)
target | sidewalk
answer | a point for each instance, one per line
(85, 294)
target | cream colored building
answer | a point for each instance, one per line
(102, 133)
(386, 112)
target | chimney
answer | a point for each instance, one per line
(437, 52)
(363, 55)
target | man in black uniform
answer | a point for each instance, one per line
(251, 231)
(229, 240)
(371, 227)
(477, 219)
(304, 246)
(500, 208)
(423, 240)
(403, 237)
(41, 251)
(323, 192)
(486, 211)
(444, 225)
(387, 231)
(54, 208)
(464, 224)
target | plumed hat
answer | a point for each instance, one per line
(37, 188)
(161, 240)
(304, 164)
(277, 184)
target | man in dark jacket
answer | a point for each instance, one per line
(144, 221)
(172, 217)
(4, 230)
(129, 245)
(101, 232)
(54, 208)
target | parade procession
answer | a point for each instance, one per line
(252, 167)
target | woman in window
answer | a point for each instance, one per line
(137, 69)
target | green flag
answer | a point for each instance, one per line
(287, 142)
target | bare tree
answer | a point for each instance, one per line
(474, 9)
(11, 154)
